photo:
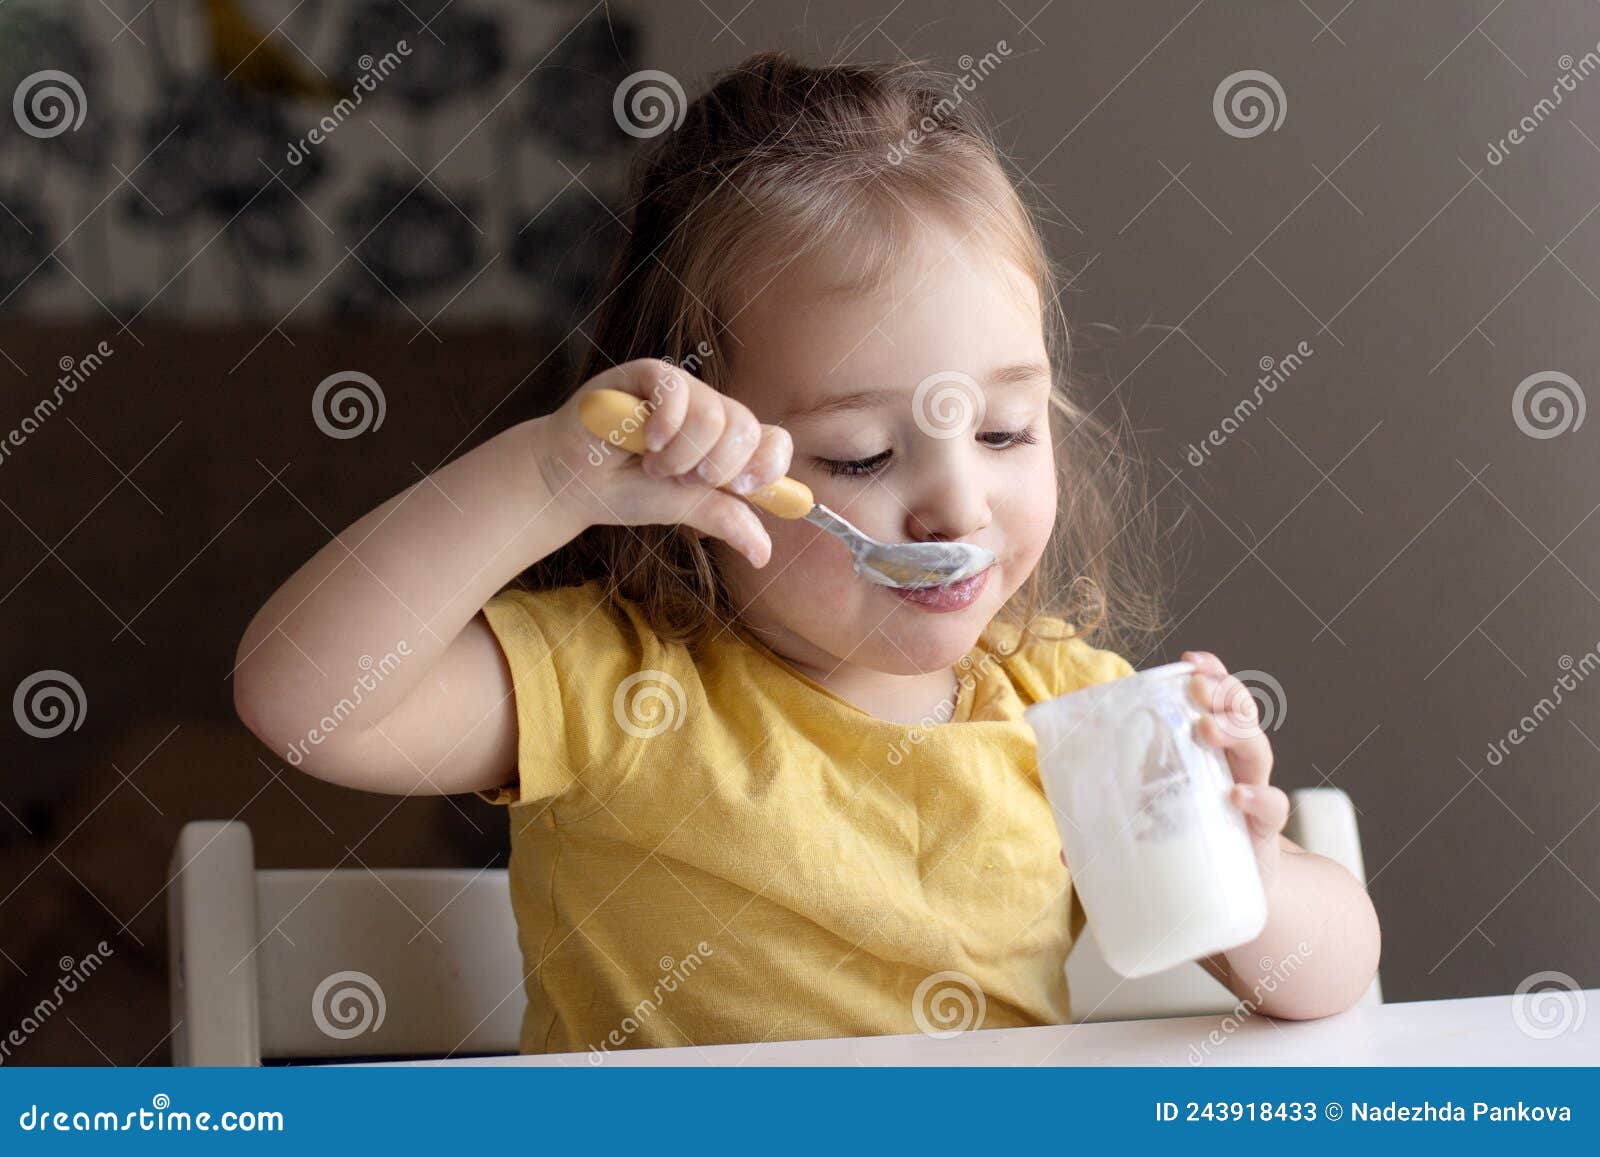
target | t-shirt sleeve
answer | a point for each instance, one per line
(568, 650)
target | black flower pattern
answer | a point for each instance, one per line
(409, 240)
(213, 142)
(220, 159)
(458, 52)
(32, 40)
(570, 95)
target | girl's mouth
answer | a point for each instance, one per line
(954, 597)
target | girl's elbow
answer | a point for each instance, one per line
(251, 707)
(258, 712)
(1352, 987)
(251, 702)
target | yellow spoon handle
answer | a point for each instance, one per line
(618, 418)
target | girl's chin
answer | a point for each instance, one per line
(928, 642)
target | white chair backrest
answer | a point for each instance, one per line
(399, 962)
(286, 964)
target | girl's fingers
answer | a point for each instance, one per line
(769, 463)
(1205, 663)
(1228, 700)
(1267, 808)
(662, 389)
(701, 428)
(741, 435)
(1249, 752)
(1231, 719)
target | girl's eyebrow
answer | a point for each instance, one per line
(1018, 373)
(842, 404)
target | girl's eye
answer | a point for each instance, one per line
(856, 466)
(1007, 439)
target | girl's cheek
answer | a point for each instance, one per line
(1033, 517)
(812, 557)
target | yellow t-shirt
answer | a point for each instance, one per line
(726, 851)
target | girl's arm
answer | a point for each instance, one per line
(1319, 950)
(371, 667)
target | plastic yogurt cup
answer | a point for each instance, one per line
(1160, 855)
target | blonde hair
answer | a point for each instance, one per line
(774, 159)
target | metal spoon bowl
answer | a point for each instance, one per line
(904, 565)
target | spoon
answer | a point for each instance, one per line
(619, 418)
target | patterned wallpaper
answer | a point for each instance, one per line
(269, 160)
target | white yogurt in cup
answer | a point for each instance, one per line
(1160, 855)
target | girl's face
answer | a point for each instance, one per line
(920, 412)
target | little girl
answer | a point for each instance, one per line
(752, 796)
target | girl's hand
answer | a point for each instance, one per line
(703, 439)
(1231, 722)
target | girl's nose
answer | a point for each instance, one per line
(948, 503)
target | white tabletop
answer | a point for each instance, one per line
(1485, 1030)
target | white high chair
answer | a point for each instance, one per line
(281, 964)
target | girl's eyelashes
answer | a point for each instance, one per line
(839, 468)
(876, 463)
(1007, 439)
